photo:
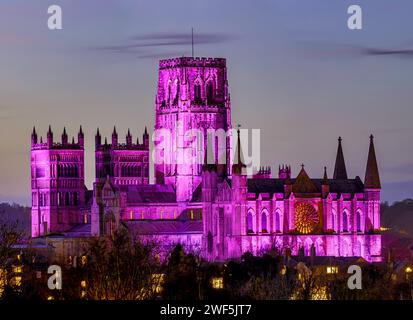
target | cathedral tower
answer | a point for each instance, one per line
(192, 95)
(58, 188)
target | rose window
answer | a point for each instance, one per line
(306, 218)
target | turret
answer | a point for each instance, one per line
(49, 137)
(325, 186)
(64, 137)
(98, 140)
(129, 139)
(114, 138)
(146, 137)
(284, 172)
(34, 136)
(81, 138)
(340, 171)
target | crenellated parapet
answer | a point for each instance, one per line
(193, 62)
(127, 145)
(50, 144)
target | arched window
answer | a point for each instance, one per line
(197, 92)
(210, 242)
(345, 221)
(277, 221)
(169, 93)
(75, 198)
(333, 220)
(67, 202)
(210, 91)
(175, 95)
(250, 228)
(358, 219)
(264, 219)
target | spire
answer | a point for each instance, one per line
(49, 137)
(340, 171)
(34, 136)
(237, 168)
(64, 136)
(325, 178)
(146, 131)
(98, 133)
(129, 138)
(372, 179)
(81, 137)
(114, 138)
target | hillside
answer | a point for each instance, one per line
(15, 213)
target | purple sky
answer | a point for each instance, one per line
(295, 71)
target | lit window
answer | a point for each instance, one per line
(409, 270)
(331, 270)
(17, 281)
(17, 269)
(218, 283)
(84, 260)
(83, 283)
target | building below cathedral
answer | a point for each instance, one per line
(215, 209)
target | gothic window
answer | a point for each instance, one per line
(169, 93)
(176, 93)
(264, 219)
(333, 220)
(67, 199)
(277, 221)
(345, 221)
(197, 92)
(250, 228)
(210, 242)
(210, 91)
(75, 198)
(358, 221)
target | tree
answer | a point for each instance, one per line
(119, 268)
(182, 276)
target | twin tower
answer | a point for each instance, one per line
(192, 94)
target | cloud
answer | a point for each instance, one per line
(323, 50)
(157, 42)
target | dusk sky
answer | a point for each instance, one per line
(295, 71)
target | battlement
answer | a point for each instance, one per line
(192, 62)
(121, 146)
(38, 144)
(115, 145)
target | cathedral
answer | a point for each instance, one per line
(212, 208)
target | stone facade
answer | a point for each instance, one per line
(214, 209)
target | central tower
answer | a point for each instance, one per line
(192, 95)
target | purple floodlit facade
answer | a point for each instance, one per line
(213, 209)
